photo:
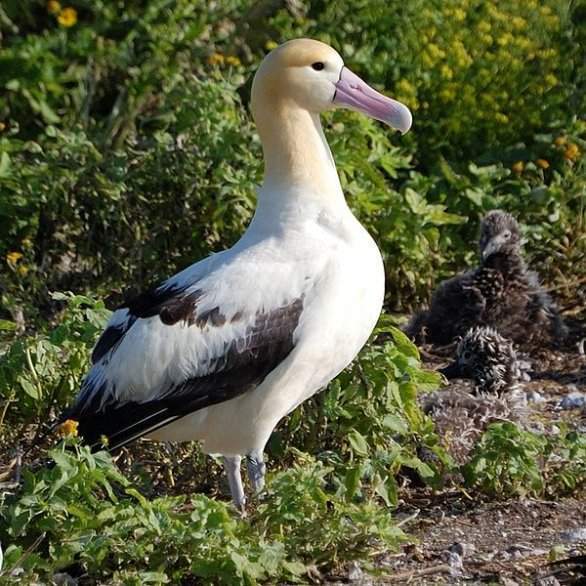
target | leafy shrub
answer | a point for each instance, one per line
(511, 461)
(43, 371)
(83, 512)
(477, 73)
(126, 151)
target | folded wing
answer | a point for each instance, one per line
(177, 349)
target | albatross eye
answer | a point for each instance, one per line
(318, 66)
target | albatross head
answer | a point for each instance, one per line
(313, 75)
(499, 234)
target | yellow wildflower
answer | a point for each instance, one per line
(104, 440)
(216, 59)
(459, 14)
(53, 7)
(2, 126)
(447, 94)
(405, 87)
(543, 163)
(67, 17)
(22, 270)
(13, 257)
(518, 167)
(435, 51)
(270, 45)
(68, 428)
(446, 72)
(560, 141)
(232, 60)
(572, 152)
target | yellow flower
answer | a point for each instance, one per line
(572, 152)
(68, 428)
(270, 45)
(560, 141)
(53, 7)
(518, 23)
(459, 14)
(2, 126)
(216, 59)
(544, 164)
(231, 60)
(104, 440)
(518, 167)
(22, 270)
(13, 257)
(67, 17)
(446, 72)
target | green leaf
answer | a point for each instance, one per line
(395, 423)
(403, 343)
(29, 388)
(358, 442)
(4, 165)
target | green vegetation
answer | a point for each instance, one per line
(508, 460)
(127, 152)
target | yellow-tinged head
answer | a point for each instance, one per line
(312, 75)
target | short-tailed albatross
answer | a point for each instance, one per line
(226, 348)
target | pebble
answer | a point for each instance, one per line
(573, 535)
(355, 574)
(574, 400)
(534, 397)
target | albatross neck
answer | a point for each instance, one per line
(299, 167)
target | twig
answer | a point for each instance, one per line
(409, 575)
(409, 518)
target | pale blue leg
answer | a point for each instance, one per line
(232, 467)
(256, 470)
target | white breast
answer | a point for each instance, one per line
(340, 311)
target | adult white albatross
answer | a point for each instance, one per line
(223, 350)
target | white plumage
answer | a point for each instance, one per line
(226, 348)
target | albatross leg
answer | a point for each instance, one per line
(256, 470)
(232, 467)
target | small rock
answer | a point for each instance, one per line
(574, 400)
(355, 574)
(454, 561)
(573, 535)
(462, 549)
(534, 397)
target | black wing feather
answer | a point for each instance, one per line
(244, 365)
